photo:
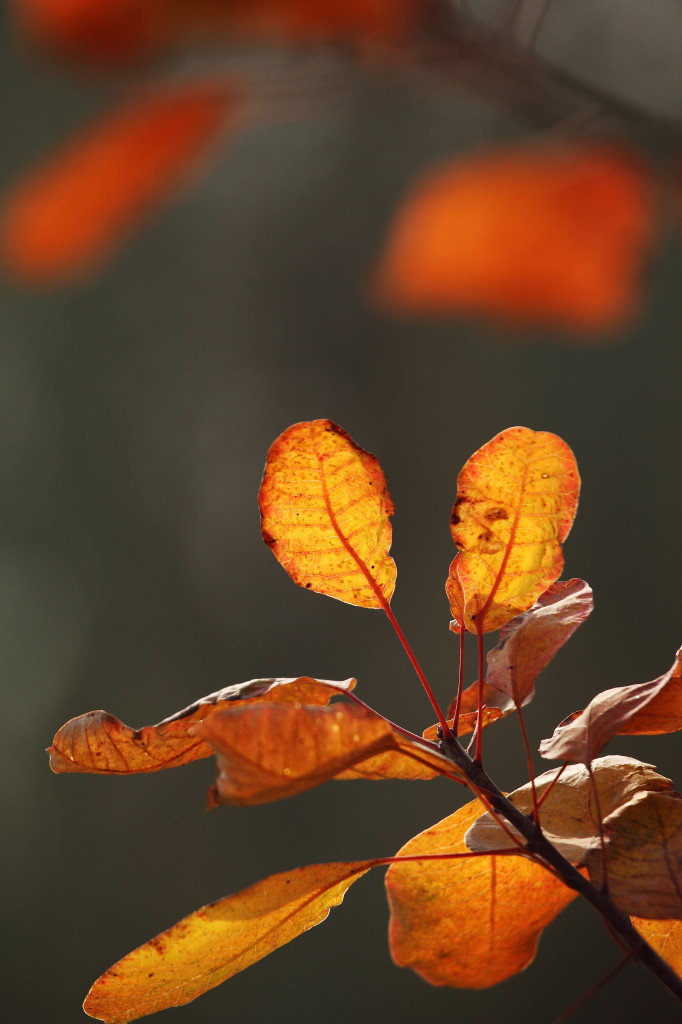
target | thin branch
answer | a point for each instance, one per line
(597, 987)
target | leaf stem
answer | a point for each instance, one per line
(461, 633)
(481, 681)
(529, 762)
(418, 669)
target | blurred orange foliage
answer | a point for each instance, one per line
(537, 234)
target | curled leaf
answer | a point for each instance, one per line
(643, 856)
(66, 216)
(325, 514)
(219, 940)
(270, 751)
(468, 923)
(546, 235)
(529, 642)
(99, 743)
(641, 709)
(467, 721)
(568, 813)
(516, 500)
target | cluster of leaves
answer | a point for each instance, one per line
(470, 896)
(554, 232)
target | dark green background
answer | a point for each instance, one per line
(135, 413)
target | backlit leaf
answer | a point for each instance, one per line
(99, 743)
(325, 513)
(665, 937)
(516, 500)
(468, 923)
(529, 642)
(550, 235)
(270, 751)
(214, 943)
(66, 216)
(643, 709)
(568, 813)
(643, 856)
(467, 721)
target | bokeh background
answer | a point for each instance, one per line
(136, 410)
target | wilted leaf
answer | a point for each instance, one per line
(468, 923)
(72, 210)
(529, 642)
(270, 751)
(97, 742)
(665, 937)
(214, 943)
(325, 513)
(643, 856)
(516, 500)
(548, 235)
(641, 709)
(568, 814)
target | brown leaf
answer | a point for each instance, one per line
(568, 814)
(641, 709)
(219, 940)
(665, 937)
(412, 760)
(99, 743)
(529, 642)
(468, 923)
(643, 856)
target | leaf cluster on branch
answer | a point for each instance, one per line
(470, 896)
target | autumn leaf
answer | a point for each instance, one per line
(568, 814)
(468, 923)
(466, 722)
(99, 743)
(643, 709)
(72, 211)
(270, 751)
(542, 235)
(219, 940)
(516, 500)
(643, 856)
(529, 642)
(325, 513)
(665, 937)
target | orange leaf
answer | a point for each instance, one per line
(325, 513)
(569, 813)
(643, 709)
(468, 923)
(214, 943)
(643, 856)
(665, 937)
(99, 743)
(529, 642)
(551, 235)
(270, 751)
(516, 500)
(73, 210)
(467, 721)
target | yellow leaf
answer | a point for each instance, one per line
(325, 513)
(516, 500)
(219, 940)
(665, 937)
(472, 922)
